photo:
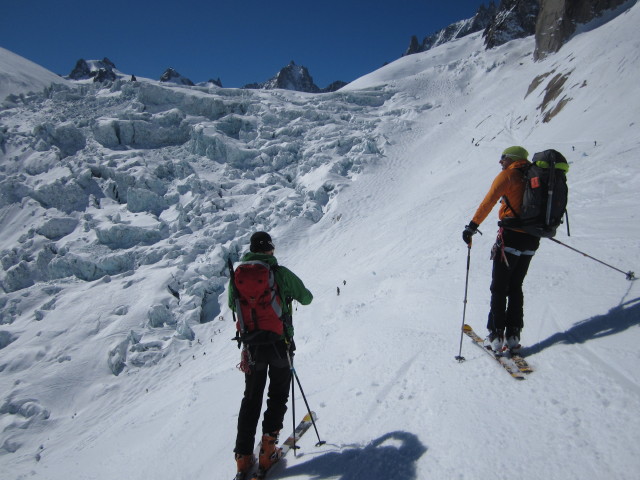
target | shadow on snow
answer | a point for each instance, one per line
(616, 320)
(390, 457)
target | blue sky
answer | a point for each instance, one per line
(240, 42)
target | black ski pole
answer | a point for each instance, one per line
(630, 275)
(459, 357)
(293, 413)
(293, 383)
(304, 397)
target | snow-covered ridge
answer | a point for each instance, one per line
(20, 76)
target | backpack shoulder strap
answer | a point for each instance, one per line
(506, 200)
(523, 170)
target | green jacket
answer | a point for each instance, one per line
(289, 285)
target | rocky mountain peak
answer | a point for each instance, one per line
(552, 22)
(297, 78)
(478, 22)
(99, 70)
(293, 77)
(215, 81)
(170, 75)
(513, 19)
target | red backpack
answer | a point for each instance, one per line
(258, 304)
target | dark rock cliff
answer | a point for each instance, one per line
(558, 19)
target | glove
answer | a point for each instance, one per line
(469, 231)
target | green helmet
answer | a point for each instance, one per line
(516, 152)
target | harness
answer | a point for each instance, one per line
(499, 246)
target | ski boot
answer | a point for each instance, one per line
(244, 464)
(494, 341)
(513, 340)
(269, 453)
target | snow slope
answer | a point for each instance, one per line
(367, 190)
(19, 75)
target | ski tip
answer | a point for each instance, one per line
(466, 328)
(310, 416)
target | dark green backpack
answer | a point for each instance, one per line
(544, 203)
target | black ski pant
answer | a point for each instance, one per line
(507, 299)
(270, 361)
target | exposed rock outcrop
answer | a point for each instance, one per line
(558, 19)
(552, 21)
(291, 77)
(297, 78)
(478, 22)
(170, 75)
(332, 87)
(99, 70)
(514, 19)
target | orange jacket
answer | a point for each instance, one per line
(508, 183)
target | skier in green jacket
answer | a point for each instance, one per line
(270, 359)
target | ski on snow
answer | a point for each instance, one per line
(514, 364)
(521, 363)
(287, 445)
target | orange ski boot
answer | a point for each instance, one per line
(269, 453)
(244, 464)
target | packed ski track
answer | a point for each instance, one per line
(365, 192)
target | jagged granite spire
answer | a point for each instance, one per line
(514, 19)
(292, 77)
(478, 22)
(99, 70)
(297, 78)
(170, 75)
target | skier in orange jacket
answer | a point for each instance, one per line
(511, 254)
